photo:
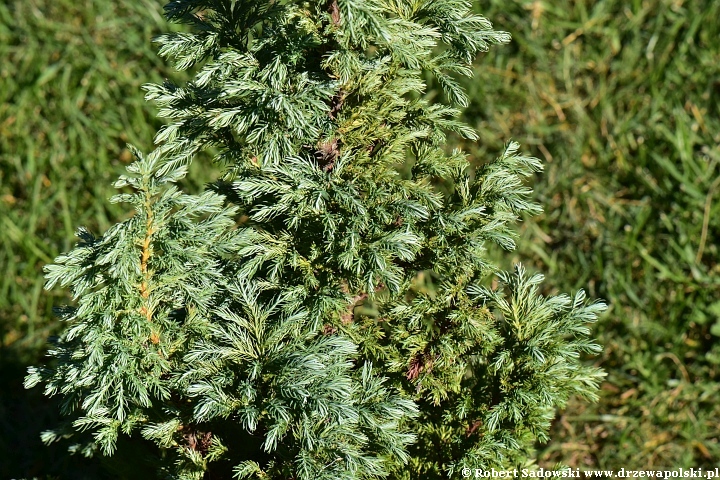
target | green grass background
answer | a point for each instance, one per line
(621, 99)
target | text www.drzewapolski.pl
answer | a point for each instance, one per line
(577, 473)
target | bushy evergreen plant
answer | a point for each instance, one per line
(322, 311)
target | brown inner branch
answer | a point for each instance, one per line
(348, 316)
(146, 310)
(327, 152)
(334, 10)
(473, 427)
(421, 362)
(197, 440)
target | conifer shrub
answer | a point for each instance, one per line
(323, 310)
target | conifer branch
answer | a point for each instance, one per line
(146, 308)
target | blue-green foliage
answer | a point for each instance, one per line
(145, 291)
(224, 327)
